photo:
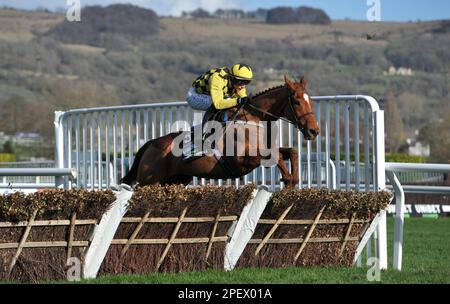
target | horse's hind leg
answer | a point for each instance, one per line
(153, 167)
(131, 176)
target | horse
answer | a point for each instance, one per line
(155, 161)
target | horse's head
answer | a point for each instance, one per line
(299, 110)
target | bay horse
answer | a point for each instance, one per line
(155, 163)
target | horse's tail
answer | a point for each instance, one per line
(131, 176)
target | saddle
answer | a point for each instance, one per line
(193, 150)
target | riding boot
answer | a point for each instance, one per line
(209, 114)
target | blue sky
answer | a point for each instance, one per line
(391, 10)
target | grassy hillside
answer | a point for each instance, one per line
(345, 57)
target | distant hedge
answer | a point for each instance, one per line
(286, 15)
(405, 158)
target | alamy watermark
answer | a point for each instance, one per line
(74, 269)
(374, 271)
(374, 11)
(73, 13)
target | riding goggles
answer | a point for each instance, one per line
(241, 82)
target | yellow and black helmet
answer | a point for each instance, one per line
(241, 73)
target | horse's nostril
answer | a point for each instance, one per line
(313, 132)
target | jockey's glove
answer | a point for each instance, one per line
(242, 100)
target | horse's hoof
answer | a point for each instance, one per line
(287, 182)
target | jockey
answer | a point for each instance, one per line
(221, 88)
(218, 89)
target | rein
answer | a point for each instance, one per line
(225, 164)
(282, 118)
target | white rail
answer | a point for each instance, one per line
(391, 168)
(58, 173)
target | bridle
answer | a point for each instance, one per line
(291, 106)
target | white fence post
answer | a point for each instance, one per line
(381, 185)
(60, 182)
(367, 238)
(399, 219)
(391, 169)
(245, 227)
(104, 234)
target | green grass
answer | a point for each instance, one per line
(426, 259)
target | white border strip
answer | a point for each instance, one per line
(104, 234)
(369, 232)
(245, 227)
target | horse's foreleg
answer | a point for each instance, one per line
(291, 179)
(293, 157)
(286, 177)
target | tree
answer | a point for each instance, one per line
(436, 134)
(19, 114)
(200, 13)
(12, 114)
(116, 19)
(396, 136)
(312, 15)
(281, 15)
(8, 147)
(286, 15)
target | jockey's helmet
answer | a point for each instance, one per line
(241, 74)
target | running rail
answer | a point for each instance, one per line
(399, 190)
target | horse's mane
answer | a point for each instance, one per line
(268, 90)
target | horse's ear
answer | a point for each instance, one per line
(289, 82)
(303, 81)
